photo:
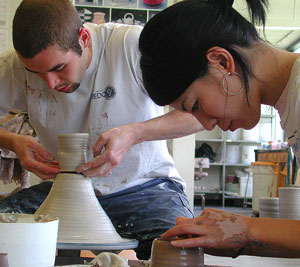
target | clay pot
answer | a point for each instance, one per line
(99, 17)
(3, 260)
(128, 19)
(72, 151)
(81, 218)
(82, 221)
(164, 254)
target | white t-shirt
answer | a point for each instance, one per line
(290, 112)
(111, 94)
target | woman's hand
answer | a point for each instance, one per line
(218, 232)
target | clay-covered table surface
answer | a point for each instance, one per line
(242, 261)
(131, 263)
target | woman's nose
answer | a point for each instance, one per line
(207, 122)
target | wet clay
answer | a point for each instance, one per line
(231, 226)
(164, 254)
(72, 151)
(3, 260)
(72, 199)
(24, 218)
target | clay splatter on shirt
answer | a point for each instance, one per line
(124, 181)
(29, 89)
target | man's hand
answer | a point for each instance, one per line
(114, 143)
(219, 233)
(35, 158)
(109, 150)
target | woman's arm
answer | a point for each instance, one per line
(226, 234)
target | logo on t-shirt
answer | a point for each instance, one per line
(108, 93)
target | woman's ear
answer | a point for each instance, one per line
(220, 58)
(84, 37)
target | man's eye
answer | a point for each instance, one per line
(196, 106)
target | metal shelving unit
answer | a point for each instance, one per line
(215, 182)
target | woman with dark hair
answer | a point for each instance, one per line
(203, 57)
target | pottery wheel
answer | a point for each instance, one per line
(129, 244)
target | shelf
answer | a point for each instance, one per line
(196, 193)
(243, 142)
(227, 164)
(236, 197)
(216, 164)
(211, 164)
(210, 140)
(267, 116)
(237, 165)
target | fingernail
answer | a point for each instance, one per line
(174, 242)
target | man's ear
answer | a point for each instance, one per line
(84, 37)
(220, 58)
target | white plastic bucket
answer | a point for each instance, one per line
(247, 154)
(236, 135)
(29, 240)
(232, 154)
(289, 198)
(243, 185)
(269, 207)
(264, 182)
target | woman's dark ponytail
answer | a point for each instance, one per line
(257, 11)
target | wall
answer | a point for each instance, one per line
(183, 151)
(12, 6)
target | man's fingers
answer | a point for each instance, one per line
(41, 152)
(99, 171)
(44, 176)
(99, 147)
(97, 161)
(45, 169)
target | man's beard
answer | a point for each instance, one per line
(73, 88)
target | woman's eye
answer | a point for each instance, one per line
(196, 106)
(61, 68)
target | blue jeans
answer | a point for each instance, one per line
(142, 212)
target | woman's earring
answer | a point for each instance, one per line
(225, 84)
